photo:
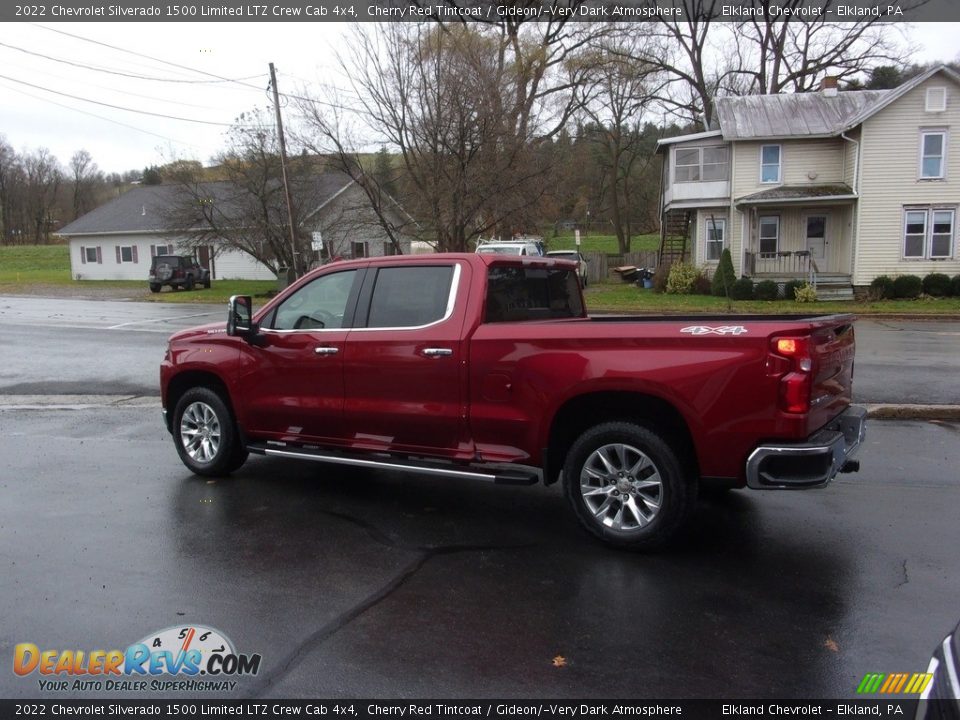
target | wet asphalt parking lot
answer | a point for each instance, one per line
(354, 583)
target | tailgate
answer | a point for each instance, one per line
(832, 348)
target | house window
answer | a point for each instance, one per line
(161, 250)
(716, 234)
(928, 233)
(359, 249)
(687, 167)
(932, 151)
(770, 163)
(936, 99)
(769, 235)
(91, 255)
(709, 164)
(126, 254)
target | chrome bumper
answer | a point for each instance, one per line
(813, 463)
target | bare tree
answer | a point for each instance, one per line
(245, 208)
(615, 99)
(465, 107)
(85, 177)
(42, 178)
(770, 52)
(9, 172)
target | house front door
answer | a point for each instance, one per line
(817, 243)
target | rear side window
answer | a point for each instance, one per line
(410, 296)
(517, 293)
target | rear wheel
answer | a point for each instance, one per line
(189, 284)
(626, 486)
(154, 287)
(206, 435)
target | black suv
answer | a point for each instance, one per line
(177, 271)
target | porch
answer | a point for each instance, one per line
(786, 265)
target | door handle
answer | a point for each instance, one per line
(326, 350)
(436, 352)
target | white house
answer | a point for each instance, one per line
(836, 186)
(116, 240)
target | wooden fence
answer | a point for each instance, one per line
(600, 265)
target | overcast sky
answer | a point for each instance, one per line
(120, 140)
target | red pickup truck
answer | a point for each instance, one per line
(487, 367)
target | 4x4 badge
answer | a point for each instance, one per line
(721, 330)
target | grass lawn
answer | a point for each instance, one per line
(627, 298)
(26, 267)
(601, 243)
(31, 268)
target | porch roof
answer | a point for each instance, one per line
(797, 194)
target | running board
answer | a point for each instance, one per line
(467, 472)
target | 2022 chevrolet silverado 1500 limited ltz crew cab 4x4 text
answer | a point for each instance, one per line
(487, 367)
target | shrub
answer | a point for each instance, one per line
(955, 286)
(660, 276)
(724, 276)
(805, 294)
(907, 286)
(702, 285)
(790, 289)
(766, 290)
(936, 284)
(742, 289)
(881, 287)
(681, 278)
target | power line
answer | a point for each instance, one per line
(99, 117)
(56, 75)
(150, 57)
(117, 107)
(123, 74)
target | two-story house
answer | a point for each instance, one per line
(834, 187)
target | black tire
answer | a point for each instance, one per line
(155, 287)
(189, 284)
(207, 419)
(206, 283)
(661, 493)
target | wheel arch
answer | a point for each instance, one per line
(582, 412)
(183, 381)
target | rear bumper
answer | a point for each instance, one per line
(809, 464)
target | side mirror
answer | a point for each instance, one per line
(240, 316)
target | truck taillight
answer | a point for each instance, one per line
(794, 384)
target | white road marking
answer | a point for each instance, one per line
(158, 320)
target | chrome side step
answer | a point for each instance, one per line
(512, 476)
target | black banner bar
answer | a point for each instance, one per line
(447, 709)
(470, 10)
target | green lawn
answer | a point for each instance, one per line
(23, 267)
(627, 298)
(601, 243)
(27, 267)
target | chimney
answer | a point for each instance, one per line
(830, 86)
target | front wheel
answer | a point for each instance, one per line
(626, 486)
(205, 434)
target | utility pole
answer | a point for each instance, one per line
(283, 169)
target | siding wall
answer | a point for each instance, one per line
(799, 159)
(228, 265)
(793, 233)
(889, 180)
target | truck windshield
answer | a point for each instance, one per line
(515, 294)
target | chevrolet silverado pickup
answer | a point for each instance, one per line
(487, 367)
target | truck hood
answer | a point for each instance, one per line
(201, 331)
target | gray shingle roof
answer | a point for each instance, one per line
(795, 115)
(141, 209)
